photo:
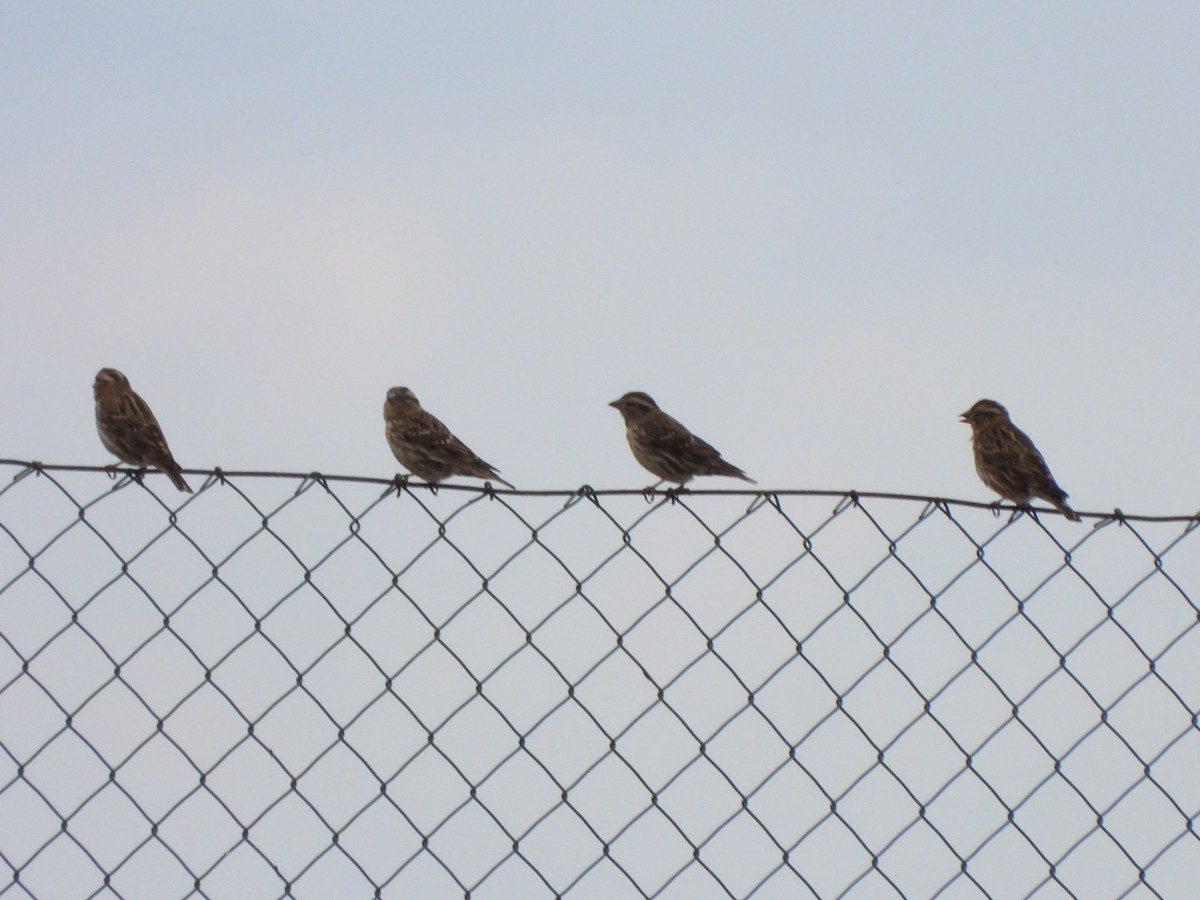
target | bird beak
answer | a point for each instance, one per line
(963, 418)
(614, 404)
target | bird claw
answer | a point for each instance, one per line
(672, 494)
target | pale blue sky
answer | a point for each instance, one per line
(815, 233)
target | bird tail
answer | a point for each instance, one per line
(173, 471)
(728, 468)
(481, 469)
(1067, 511)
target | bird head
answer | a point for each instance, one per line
(109, 379)
(402, 398)
(983, 413)
(634, 405)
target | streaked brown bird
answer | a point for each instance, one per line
(425, 446)
(128, 428)
(1008, 462)
(664, 447)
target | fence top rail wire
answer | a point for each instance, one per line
(219, 474)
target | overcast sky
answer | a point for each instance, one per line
(814, 232)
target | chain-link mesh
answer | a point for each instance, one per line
(333, 687)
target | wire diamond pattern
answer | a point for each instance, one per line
(313, 686)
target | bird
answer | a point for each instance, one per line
(1008, 462)
(665, 448)
(128, 429)
(425, 446)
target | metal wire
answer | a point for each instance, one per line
(304, 685)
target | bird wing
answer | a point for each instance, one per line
(1013, 459)
(675, 438)
(139, 431)
(1040, 479)
(438, 442)
(666, 434)
(425, 430)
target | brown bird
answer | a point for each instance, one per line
(425, 446)
(1008, 462)
(129, 430)
(664, 447)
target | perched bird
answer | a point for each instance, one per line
(1007, 461)
(664, 447)
(129, 430)
(425, 446)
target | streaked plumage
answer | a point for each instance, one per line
(664, 447)
(1008, 462)
(128, 428)
(425, 446)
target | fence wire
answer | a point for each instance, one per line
(310, 686)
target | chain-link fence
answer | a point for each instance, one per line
(320, 687)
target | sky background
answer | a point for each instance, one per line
(815, 233)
